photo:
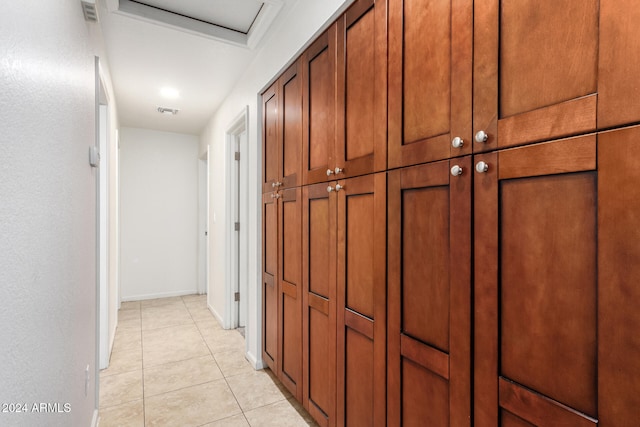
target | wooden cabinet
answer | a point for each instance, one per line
(319, 107)
(430, 294)
(361, 296)
(345, 96)
(281, 213)
(545, 217)
(430, 80)
(361, 140)
(290, 290)
(270, 280)
(344, 302)
(319, 301)
(282, 136)
(535, 70)
(450, 226)
(282, 286)
(619, 63)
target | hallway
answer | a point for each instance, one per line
(173, 365)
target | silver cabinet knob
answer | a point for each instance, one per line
(457, 142)
(329, 189)
(329, 172)
(456, 170)
(337, 170)
(275, 196)
(482, 167)
(339, 187)
(276, 184)
(481, 136)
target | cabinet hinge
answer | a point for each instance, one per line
(236, 226)
(237, 155)
(236, 296)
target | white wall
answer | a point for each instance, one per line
(158, 213)
(292, 31)
(47, 211)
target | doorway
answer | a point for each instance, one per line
(237, 222)
(104, 319)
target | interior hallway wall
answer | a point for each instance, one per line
(158, 213)
(47, 211)
(291, 31)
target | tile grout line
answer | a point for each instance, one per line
(144, 403)
(223, 376)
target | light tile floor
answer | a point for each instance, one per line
(173, 365)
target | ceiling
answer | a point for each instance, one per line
(199, 48)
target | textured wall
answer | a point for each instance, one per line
(47, 212)
(159, 213)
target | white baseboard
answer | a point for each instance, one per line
(255, 362)
(216, 315)
(160, 295)
(95, 421)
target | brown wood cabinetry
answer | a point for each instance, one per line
(552, 338)
(535, 70)
(282, 211)
(345, 96)
(344, 302)
(619, 63)
(361, 296)
(430, 66)
(430, 294)
(282, 136)
(270, 280)
(319, 302)
(319, 107)
(450, 216)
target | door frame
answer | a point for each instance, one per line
(203, 222)
(236, 260)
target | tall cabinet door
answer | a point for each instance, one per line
(361, 140)
(430, 294)
(319, 108)
(536, 285)
(270, 139)
(290, 291)
(361, 270)
(270, 280)
(619, 63)
(430, 80)
(290, 127)
(535, 70)
(319, 302)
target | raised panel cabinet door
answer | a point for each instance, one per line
(430, 80)
(535, 71)
(619, 63)
(361, 281)
(290, 127)
(429, 264)
(319, 108)
(290, 290)
(270, 139)
(536, 285)
(319, 231)
(361, 140)
(270, 279)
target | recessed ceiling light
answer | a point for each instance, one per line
(169, 92)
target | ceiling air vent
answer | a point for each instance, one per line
(90, 10)
(168, 111)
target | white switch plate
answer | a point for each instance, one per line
(94, 156)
